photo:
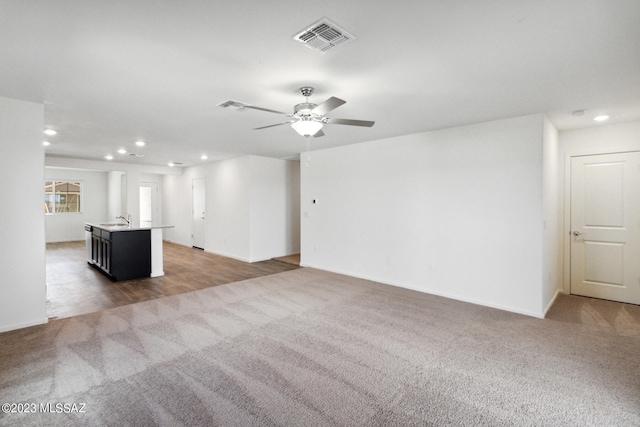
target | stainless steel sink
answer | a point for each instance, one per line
(115, 225)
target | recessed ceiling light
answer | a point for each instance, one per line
(122, 151)
(601, 118)
(46, 143)
(108, 157)
(50, 132)
(140, 143)
(204, 157)
(171, 164)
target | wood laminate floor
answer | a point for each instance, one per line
(290, 259)
(74, 287)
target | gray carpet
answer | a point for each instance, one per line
(312, 348)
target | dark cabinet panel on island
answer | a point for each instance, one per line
(121, 255)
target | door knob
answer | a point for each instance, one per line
(576, 233)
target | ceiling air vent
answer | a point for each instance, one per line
(323, 36)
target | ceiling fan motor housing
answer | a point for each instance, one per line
(306, 91)
(304, 110)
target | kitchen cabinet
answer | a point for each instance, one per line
(125, 251)
(123, 254)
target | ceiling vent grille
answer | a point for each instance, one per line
(323, 36)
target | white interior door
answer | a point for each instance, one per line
(199, 212)
(149, 202)
(605, 226)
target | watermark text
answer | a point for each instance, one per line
(51, 408)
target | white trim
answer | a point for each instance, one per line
(157, 260)
(204, 179)
(227, 255)
(175, 242)
(566, 237)
(553, 300)
(261, 259)
(441, 294)
(566, 242)
(23, 325)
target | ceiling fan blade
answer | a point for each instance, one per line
(349, 122)
(318, 134)
(277, 124)
(263, 109)
(328, 105)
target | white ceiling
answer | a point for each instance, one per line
(112, 72)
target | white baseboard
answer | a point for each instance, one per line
(430, 292)
(188, 245)
(178, 243)
(23, 325)
(546, 310)
(226, 255)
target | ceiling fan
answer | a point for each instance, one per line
(307, 118)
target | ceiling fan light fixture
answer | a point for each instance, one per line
(306, 127)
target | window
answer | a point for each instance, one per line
(62, 196)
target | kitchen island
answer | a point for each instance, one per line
(125, 251)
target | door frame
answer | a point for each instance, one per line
(204, 201)
(566, 231)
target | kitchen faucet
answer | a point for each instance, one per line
(128, 218)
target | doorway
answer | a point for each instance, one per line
(198, 211)
(149, 203)
(605, 226)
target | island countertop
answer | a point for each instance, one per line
(134, 226)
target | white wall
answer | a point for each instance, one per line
(251, 207)
(115, 194)
(22, 250)
(176, 207)
(103, 199)
(145, 180)
(228, 192)
(600, 139)
(274, 225)
(227, 206)
(66, 227)
(456, 212)
(135, 174)
(552, 217)
(293, 208)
